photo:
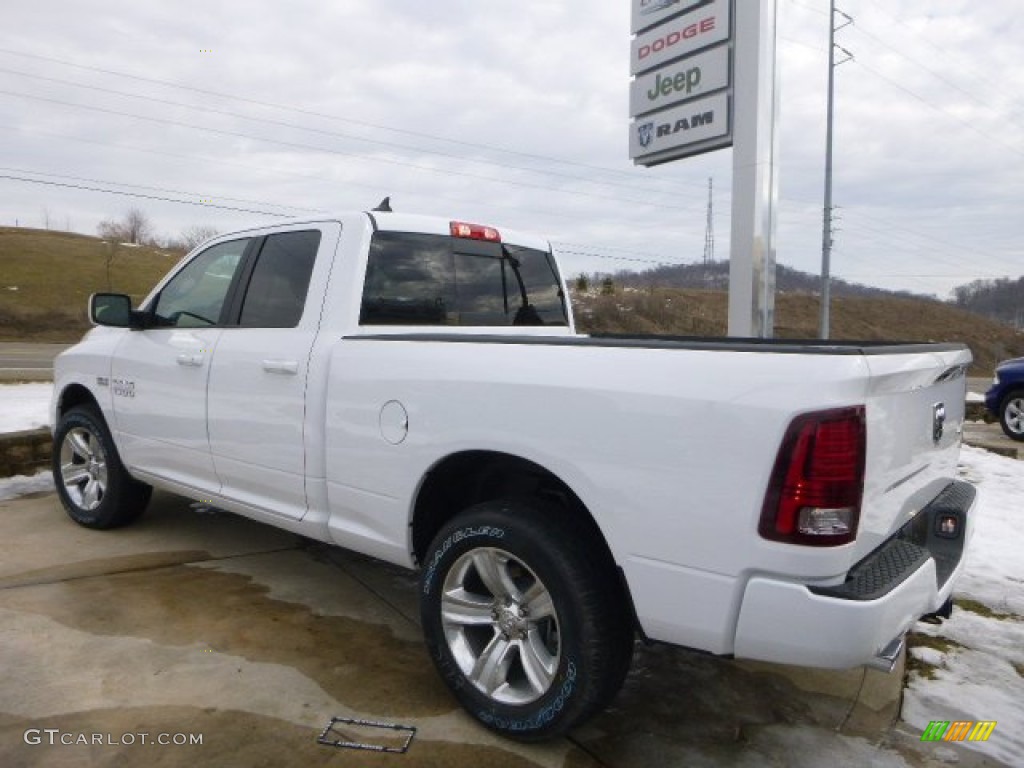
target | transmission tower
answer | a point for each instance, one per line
(709, 231)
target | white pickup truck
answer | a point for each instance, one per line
(413, 389)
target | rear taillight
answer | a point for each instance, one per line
(817, 485)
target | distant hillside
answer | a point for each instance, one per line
(674, 311)
(46, 278)
(715, 276)
(1001, 299)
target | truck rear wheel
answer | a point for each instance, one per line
(525, 623)
(1011, 415)
(92, 484)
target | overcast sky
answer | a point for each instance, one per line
(512, 112)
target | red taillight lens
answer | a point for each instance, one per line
(475, 232)
(815, 492)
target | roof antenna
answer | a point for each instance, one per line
(384, 206)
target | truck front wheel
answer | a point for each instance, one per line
(525, 622)
(92, 484)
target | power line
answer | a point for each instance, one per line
(310, 177)
(327, 150)
(979, 78)
(139, 195)
(322, 132)
(311, 113)
(943, 77)
(936, 243)
(596, 255)
(161, 189)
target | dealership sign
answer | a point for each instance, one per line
(647, 13)
(693, 124)
(681, 60)
(683, 80)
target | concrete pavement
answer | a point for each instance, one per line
(992, 438)
(198, 622)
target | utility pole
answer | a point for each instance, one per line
(826, 233)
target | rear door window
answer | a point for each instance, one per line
(276, 293)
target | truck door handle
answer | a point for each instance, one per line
(281, 366)
(193, 361)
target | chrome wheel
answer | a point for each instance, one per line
(1013, 415)
(83, 468)
(501, 626)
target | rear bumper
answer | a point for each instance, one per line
(911, 574)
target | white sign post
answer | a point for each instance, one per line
(681, 52)
(704, 79)
(755, 180)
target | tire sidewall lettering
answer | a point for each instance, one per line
(544, 716)
(456, 537)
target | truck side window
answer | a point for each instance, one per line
(195, 296)
(276, 294)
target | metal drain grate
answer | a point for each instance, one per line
(346, 742)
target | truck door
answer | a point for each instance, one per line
(159, 375)
(258, 378)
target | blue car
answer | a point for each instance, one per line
(1005, 399)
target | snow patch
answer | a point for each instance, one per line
(21, 485)
(24, 406)
(984, 678)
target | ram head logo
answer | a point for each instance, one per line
(645, 133)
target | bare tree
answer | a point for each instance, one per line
(135, 227)
(194, 235)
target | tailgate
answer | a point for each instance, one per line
(915, 414)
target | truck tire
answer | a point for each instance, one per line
(93, 485)
(1011, 415)
(525, 621)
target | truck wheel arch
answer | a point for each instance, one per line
(74, 395)
(464, 479)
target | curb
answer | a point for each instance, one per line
(993, 446)
(25, 452)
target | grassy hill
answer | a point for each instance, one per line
(691, 312)
(46, 278)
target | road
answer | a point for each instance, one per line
(978, 384)
(22, 361)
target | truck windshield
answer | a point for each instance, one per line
(417, 279)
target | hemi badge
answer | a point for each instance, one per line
(102, 381)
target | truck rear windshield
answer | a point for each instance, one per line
(417, 279)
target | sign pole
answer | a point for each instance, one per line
(754, 174)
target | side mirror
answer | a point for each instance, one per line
(113, 309)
